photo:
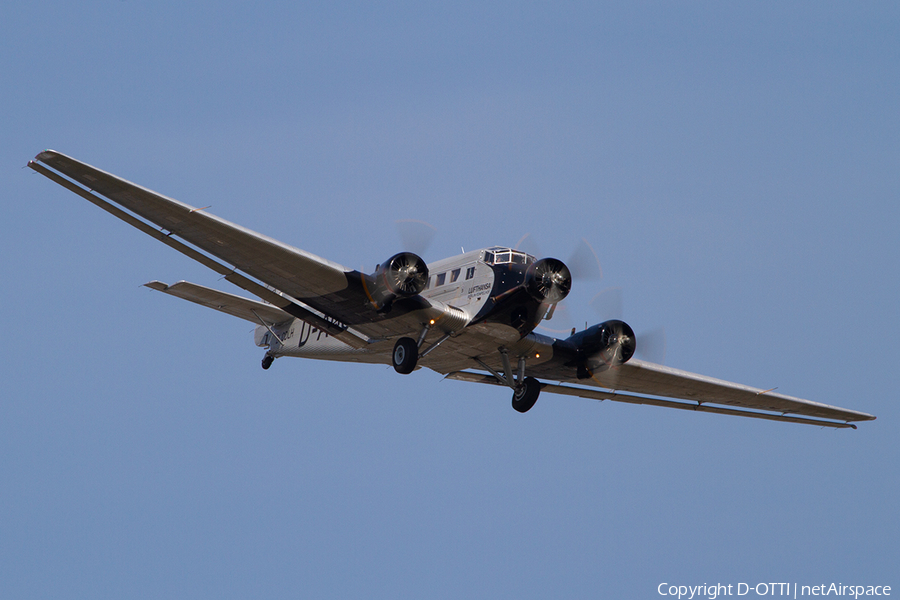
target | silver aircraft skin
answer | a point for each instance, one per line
(467, 281)
(470, 317)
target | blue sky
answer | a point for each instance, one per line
(735, 166)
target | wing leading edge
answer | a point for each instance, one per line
(306, 286)
(289, 269)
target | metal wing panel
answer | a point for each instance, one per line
(642, 377)
(649, 378)
(630, 399)
(327, 287)
(291, 270)
(482, 340)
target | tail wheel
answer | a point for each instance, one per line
(405, 355)
(526, 394)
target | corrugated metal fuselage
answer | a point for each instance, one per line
(477, 289)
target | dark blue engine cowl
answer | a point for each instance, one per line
(604, 345)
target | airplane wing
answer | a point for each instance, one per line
(641, 382)
(306, 286)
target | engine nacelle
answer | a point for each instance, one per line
(607, 344)
(548, 280)
(402, 275)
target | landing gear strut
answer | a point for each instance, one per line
(525, 389)
(405, 355)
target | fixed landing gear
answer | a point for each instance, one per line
(526, 394)
(525, 389)
(405, 355)
(408, 351)
(267, 361)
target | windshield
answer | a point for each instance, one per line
(504, 256)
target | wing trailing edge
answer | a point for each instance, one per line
(85, 180)
(597, 394)
(318, 291)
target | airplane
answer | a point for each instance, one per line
(470, 317)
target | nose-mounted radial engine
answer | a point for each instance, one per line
(531, 293)
(402, 275)
(524, 290)
(548, 280)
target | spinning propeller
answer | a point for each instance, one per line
(406, 274)
(549, 280)
(415, 236)
(607, 305)
(651, 344)
(582, 262)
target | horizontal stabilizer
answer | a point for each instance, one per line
(244, 308)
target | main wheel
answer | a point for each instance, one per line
(526, 394)
(405, 355)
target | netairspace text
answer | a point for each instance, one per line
(792, 590)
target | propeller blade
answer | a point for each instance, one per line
(415, 236)
(651, 346)
(528, 245)
(583, 262)
(562, 321)
(608, 303)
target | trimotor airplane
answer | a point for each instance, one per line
(470, 317)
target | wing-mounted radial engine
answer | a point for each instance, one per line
(601, 347)
(402, 275)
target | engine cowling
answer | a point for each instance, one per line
(402, 275)
(548, 280)
(607, 344)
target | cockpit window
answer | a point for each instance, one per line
(505, 256)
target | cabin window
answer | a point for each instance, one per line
(427, 284)
(440, 279)
(454, 275)
(470, 272)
